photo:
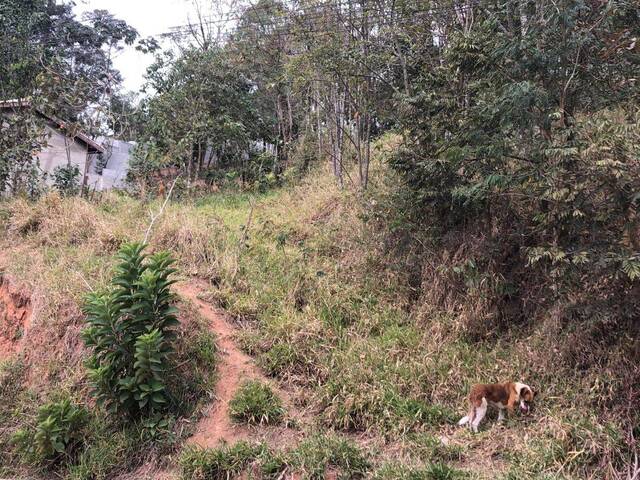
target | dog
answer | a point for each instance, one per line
(504, 396)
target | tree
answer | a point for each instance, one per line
(203, 113)
(63, 66)
(521, 125)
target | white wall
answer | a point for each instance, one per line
(114, 174)
(55, 153)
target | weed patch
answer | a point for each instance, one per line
(256, 403)
(430, 448)
(58, 432)
(316, 455)
(278, 359)
(220, 463)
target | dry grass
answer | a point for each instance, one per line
(369, 330)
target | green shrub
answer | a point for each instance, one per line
(58, 431)
(256, 403)
(220, 463)
(130, 333)
(66, 179)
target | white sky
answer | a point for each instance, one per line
(149, 18)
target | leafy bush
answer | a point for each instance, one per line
(130, 333)
(255, 403)
(58, 431)
(66, 179)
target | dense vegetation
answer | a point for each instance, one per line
(394, 200)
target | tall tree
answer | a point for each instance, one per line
(62, 65)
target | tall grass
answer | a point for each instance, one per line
(331, 301)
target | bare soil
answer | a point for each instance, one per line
(234, 367)
(15, 318)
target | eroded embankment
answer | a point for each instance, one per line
(15, 317)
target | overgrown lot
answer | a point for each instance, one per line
(331, 304)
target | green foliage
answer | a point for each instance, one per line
(541, 153)
(151, 357)
(203, 105)
(66, 179)
(256, 403)
(131, 333)
(58, 431)
(262, 171)
(20, 136)
(60, 77)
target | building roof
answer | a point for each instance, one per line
(26, 103)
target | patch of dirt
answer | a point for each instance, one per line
(234, 367)
(15, 318)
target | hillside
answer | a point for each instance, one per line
(300, 287)
(333, 219)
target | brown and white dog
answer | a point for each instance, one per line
(504, 396)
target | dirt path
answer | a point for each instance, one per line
(234, 367)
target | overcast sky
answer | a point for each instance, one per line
(149, 18)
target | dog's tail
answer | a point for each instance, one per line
(464, 420)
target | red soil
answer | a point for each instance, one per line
(234, 367)
(15, 318)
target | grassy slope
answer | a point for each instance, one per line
(324, 308)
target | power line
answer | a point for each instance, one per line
(293, 18)
(323, 7)
(288, 29)
(301, 14)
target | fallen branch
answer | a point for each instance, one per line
(245, 232)
(161, 211)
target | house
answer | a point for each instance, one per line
(102, 163)
(112, 166)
